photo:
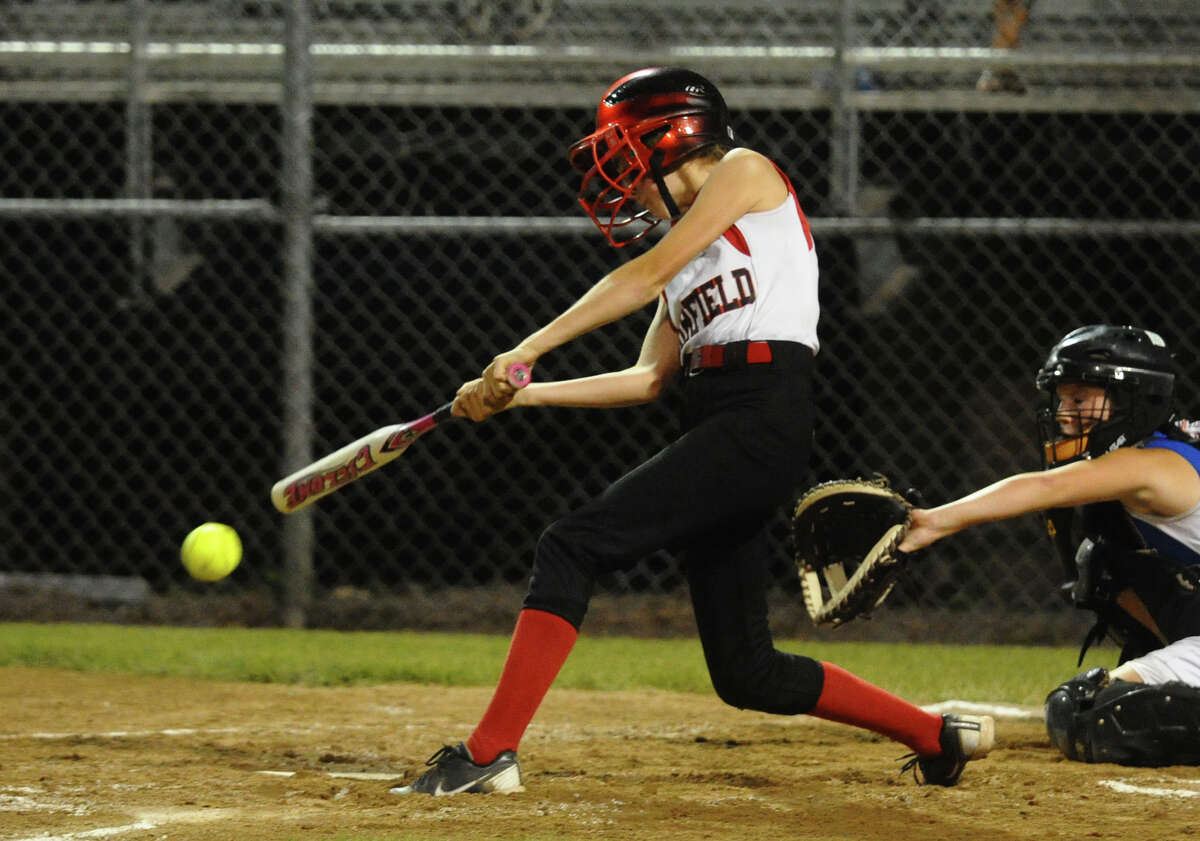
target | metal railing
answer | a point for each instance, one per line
(937, 207)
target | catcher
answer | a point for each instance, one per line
(734, 281)
(1121, 492)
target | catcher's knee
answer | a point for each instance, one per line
(1090, 719)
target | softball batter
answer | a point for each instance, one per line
(735, 281)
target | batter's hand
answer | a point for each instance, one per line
(470, 402)
(497, 389)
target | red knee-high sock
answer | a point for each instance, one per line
(540, 645)
(851, 700)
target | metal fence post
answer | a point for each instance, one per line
(297, 367)
(843, 126)
(139, 150)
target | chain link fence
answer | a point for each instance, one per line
(237, 235)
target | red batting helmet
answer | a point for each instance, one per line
(648, 122)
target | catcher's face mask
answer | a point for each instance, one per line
(1066, 424)
(1130, 367)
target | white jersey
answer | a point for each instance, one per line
(757, 282)
(1183, 528)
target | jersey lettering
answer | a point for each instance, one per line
(720, 295)
(711, 298)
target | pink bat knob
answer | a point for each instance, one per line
(518, 375)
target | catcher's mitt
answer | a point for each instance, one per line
(846, 533)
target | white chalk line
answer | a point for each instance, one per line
(1153, 791)
(341, 775)
(14, 799)
(122, 734)
(148, 820)
(102, 832)
(180, 731)
(996, 710)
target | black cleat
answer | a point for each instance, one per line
(453, 772)
(964, 737)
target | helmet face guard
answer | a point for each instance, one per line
(1066, 433)
(612, 166)
(648, 123)
(1135, 371)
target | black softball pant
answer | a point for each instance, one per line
(710, 496)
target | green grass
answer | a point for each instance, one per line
(920, 673)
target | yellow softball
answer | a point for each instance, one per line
(211, 551)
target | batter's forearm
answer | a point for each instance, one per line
(613, 298)
(618, 388)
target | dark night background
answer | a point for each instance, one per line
(132, 414)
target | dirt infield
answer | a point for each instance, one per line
(93, 756)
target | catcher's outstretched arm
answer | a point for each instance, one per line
(1150, 481)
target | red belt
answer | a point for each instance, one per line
(734, 354)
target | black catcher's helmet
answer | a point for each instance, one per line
(648, 122)
(1136, 371)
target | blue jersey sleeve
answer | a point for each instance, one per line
(1158, 441)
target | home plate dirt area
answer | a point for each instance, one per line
(87, 756)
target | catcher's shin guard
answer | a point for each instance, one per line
(1090, 719)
